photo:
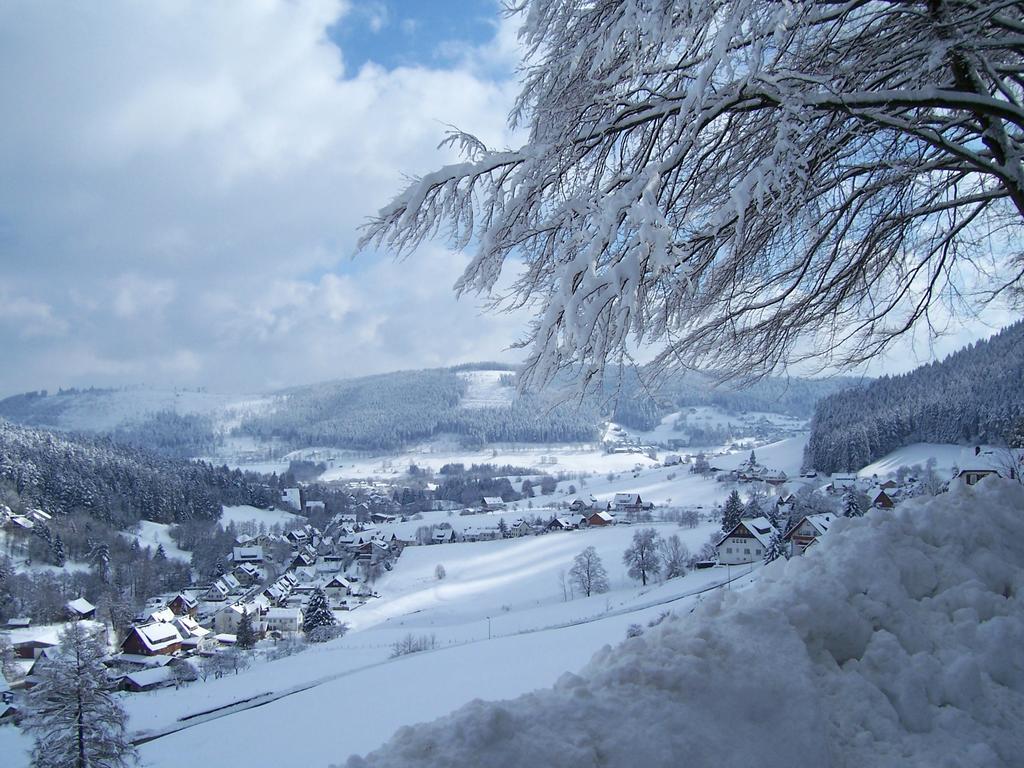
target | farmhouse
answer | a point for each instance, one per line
(807, 531)
(627, 503)
(746, 542)
(284, 620)
(984, 462)
(152, 639)
(601, 518)
(492, 503)
(443, 536)
(80, 609)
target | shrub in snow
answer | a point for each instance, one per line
(412, 644)
(634, 630)
(898, 640)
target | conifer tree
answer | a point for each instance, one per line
(57, 551)
(160, 555)
(777, 547)
(318, 612)
(851, 505)
(71, 712)
(732, 513)
(245, 637)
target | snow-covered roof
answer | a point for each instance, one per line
(81, 606)
(493, 501)
(758, 527)
(627, 498)
(606, 516)
(147, 677)
(294, 614)
(158, 635)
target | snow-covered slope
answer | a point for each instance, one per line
(485, 390)
(898, 641)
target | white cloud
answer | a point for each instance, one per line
(176, 172)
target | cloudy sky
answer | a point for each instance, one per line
(183, 184)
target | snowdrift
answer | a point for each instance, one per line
(897, 641)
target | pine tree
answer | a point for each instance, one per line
(851, 505)
(99, 560)
(503, 528)
(732, 513)
(160, 555)
(245, 636)
(71, 713)
(57, 551)
(777, 547)
(318, 612)
(753, 507)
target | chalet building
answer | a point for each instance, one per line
(337, 588)
(982, 462)
(807, 531)
(492, 503)
(746, 542)
(249, 554)
(183, 605)
(383, 517)
(284, 620)
(882, 500)
(443, 536)
(567, 523)
(843, 481)
(152, 639)
(247, 574)
(293, 498)
(297, 537)
(627, 503)
(80, 609)
(472, 533)
(583, 505)
(601, 518)
(519, 527)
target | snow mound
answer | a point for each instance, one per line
(897, 641)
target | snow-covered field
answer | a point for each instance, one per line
(152, 535)
(485, 390)
(268, 517)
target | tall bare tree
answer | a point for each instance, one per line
(741, 183)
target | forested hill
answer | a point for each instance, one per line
(117, 484)
(642, 406)
(974, 395)
(390, 410)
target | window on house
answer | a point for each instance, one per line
(746, 551)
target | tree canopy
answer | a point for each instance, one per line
(741, 183)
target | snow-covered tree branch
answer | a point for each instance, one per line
(741, 183)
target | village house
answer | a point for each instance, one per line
(492, 503)
(881, 500)
(983, 462)
(580, 504)
(601, 518)
(474, 533)
(746, 542)
(241, 555)
(627, 503)
(519, 527)
(183, 605)
(80, 609)
(315, 507)
(152, 639)
(293, 498)
(284, 620)
(843, 481)
(337, 588)
(807, 531)
(443, 536)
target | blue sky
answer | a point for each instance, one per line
(395, 33)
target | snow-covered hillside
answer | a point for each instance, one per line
(101, 410)
(485, 390)
(898, 642)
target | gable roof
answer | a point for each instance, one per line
(156, 636)
(81, 606)
(759, 528)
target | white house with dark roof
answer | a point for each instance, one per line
(283, 620)
(746, 542)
